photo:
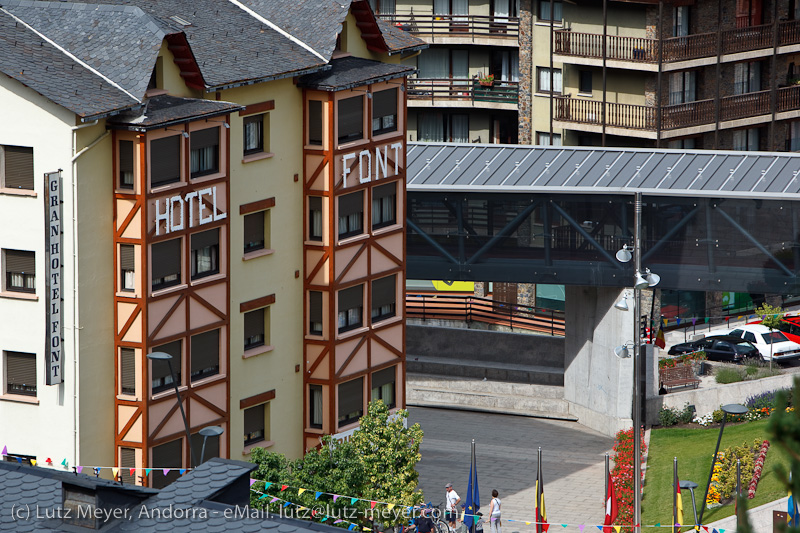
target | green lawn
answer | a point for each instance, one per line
(694, 448)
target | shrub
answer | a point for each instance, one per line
(687, 414)
(765, 399)
(729, 375)
(745, 453)
(751, 370)
(668, 416)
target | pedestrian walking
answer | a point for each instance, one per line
(452, 498)
(494, 513)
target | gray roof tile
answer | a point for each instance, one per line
(163, 110)
(348, 72)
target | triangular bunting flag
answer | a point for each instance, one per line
(64, 462)
(146, 471)
(351, 527)
(526, 523)
(263, 496)
(313, 512)
(706, 528)
(252, 481)
(367, 529)
(33, 462)
(658, 525)
(390, 506)
(267, 484)
(694, 321)
(131, 471)
(78, 469)
(463, 514)
(581, 527)
(372, 504)
(335, 497)
(182, 471)
(678, 320)
(48, 461)
(284, 487)
(707, 319)
(324, 518)
(300, 491)
(338, 521)
(563, 525)
(353, 500)
(273, 500)
(19, 460)
(617, 528)
(166, 470)
(599, 527)
(721, 531)
(5, 450)
(287, 504)
(317, 494)
(114, 472)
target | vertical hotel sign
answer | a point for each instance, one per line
(54, 353)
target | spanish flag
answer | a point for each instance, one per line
(541, 515)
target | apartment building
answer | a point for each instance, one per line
(714, 75)
(222, 183)
(467, 84)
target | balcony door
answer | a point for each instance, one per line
(505, 8)
(748, 13)
(682, 87)
(459, 59)
(458, 10)
(434, 63)
(680, 21)
(747, 77)
(505, 65)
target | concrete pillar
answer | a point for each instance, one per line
(598, 385)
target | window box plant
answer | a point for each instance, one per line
(486, 81)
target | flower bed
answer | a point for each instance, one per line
(622, 474)
(759, 466)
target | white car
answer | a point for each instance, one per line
(768, 342)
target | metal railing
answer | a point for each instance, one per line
(645, 50)
(462, 89)
(456, 25)
(438, 306)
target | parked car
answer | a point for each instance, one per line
(719, 348)
(790, 326)
(768, 342)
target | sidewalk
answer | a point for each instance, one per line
(506, 449)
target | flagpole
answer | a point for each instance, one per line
(606, 481)
(473, 482)
(539, 525)
(675, 488)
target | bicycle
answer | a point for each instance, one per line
(441, 524)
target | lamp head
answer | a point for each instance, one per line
(624, 254)
(622, 304)
(652, 279)
(159, 356)
(734, 409)
(211, 431)
(640, 282)
(622, 351)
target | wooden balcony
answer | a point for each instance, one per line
(702, 45)
(462, 89)
(456, 25)
(643, 118)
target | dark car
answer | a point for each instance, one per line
(719, 348)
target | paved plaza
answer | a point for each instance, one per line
(506, 446)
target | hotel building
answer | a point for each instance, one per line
(222, 182)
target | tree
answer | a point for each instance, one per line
(772, 319)
(785, 429)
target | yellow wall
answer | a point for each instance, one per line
(171, 75)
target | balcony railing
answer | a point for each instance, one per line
(456, 25)
(644, 50)
(465, 89)
(643, 118)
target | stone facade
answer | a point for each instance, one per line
(525, 72)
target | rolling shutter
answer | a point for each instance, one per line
(126, 257)
(128, 371)
(351, 397)
(352, 297)
(205, 239)
(21, 373)
(315, 306)
(166, 258)
(254, 419)
(384, 291)
(19, 167)
(384, 103)
(205, 354)
(127, 460)
(20, 262)
(205, 138)
(383, 377)
(165, 163)
(254, 228)
(254, 324)
(351, 203)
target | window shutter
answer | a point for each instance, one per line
(21, 369)
(205, 238)
(315, 306)
(128, 371)
(352, 297)
(205, 138)
(384, 103)
(254, 419)
(315, 203)
(126, 156)
(19, 167)
(127, 460)
(254, 227)
(254, 323)
(382, 377)
(351, 117)
(351, 396)
(19, 261)
(126, 259)
(205, 351)
(315, 122)
(168, 455)
(165, 163)
(351, 203)
(384, 291)
(383, 191)
(166, 258)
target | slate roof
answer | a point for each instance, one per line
(349, 72)
(192, 500)
(164, 110)
(32, 61)
(398, 40)
(545, 169)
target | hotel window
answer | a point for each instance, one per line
(16, 167)
(315, 406)
(315, 122)
(585, 81)
(690, 143)
(351, 214)
(255, 330)
(543, 80)
(127, 371)
(747, 77)
(384, 201)
(205, 355)
(256, 134)
(168, 455)
(127, 460)
(680, 21)
(544, 11)
(165, 160)
(126, 266)
(159, 370)
(255, 424)
(383, 7)
(20, 271)
(351, 306)
(255, 231)
(211, 447)
(205, 152)
(682, 87)
(315, 313)
(384, 111)
(443, 127)
(350, 114)
(383, 386)
(166, 263)
(20, 373)
(126, 164)
(794, 136)
(746, 140)
(351, 401)
(205, 253)
(314, 218)
(543, 139)
(384, 298)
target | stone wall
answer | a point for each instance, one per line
(525, 131)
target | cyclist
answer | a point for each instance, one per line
(452, 499)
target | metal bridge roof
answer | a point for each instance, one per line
(546, 169)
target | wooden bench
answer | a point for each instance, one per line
(678, 376)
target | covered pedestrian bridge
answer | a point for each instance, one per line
(711, 221)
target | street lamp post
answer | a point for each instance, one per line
(208, 431)
(691, 485)
(729, 409)
(161, 356)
